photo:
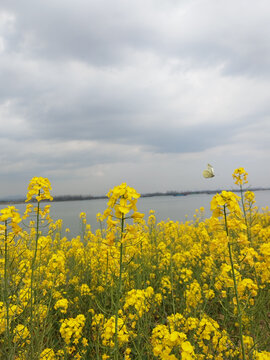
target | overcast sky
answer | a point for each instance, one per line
(95, 93)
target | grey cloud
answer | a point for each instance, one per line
(161, 138)
(104, 34)
(121, 123)
(95, 82)
(130, 117)
(95, 32)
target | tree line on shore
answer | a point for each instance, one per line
(96, 197)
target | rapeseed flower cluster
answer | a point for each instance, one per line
(139, 301)
(21, 335)
(10, 216)
(47, 354)
(71, 329)
(171, 345)
(122, 200)
(225, 200)
(240, 176)
(136, 289)
(39, 188)
(62, 305)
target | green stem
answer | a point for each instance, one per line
(6, 300)
(239, 314)
(116, 354)
(122, 226)
(172, 283)
(225, 218)
(32, 280)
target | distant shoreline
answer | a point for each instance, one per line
(63, 198)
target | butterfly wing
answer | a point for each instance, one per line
(210, 169)
(209, 173)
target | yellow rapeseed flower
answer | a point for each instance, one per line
(240, 176)
(12, 216)
(47, 354)
(62, 305)
(21, 335)
(226, 199)
(39, 188)
(122, 199)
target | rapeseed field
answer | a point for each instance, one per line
(136, 289)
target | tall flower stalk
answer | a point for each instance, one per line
(39, 189)
(6, 297)
(221, 205)
(247, 201)
(122, 200)
(33, 265)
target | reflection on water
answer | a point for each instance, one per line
(176, 208)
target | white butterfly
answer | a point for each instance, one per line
(209, 173)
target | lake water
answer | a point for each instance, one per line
(176, 208)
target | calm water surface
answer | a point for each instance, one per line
(176, 208)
